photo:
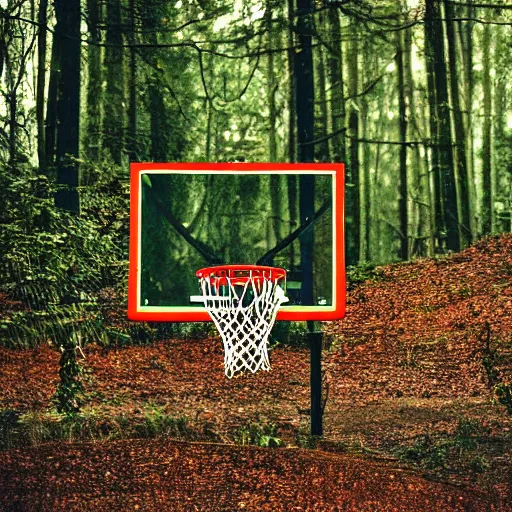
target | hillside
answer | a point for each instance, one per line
(414, 378)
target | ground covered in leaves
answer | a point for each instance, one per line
(416, 409)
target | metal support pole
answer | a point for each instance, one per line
(315, 346)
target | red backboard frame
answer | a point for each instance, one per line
(199, 314)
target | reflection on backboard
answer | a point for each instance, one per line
(188, 216)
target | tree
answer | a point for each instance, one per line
(337, 86)
(93, 138)
(402, 122)
(446, 196)
(115, 112)
(67, 39)
(41, 82)
(459, 130)
(487, 164)
(305, 131)
(352, 236)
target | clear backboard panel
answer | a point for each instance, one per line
(188, 216)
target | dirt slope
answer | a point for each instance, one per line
(404, 367)
(165, 475)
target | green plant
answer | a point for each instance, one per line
(457, 448)
(304, 439)
(158, 423)
(9, 428)
(503, 392)
(426, 452)
(360, 274)
(56, 263)
(409, 359)
(68, 397)
(466, 435)
(292, 334)
(490, 359)
(264, 435)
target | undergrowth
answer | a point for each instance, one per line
(460, 448)
(35, 428)
(360, 274)
(257, 434)
(501, 389)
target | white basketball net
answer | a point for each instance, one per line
(244, 315)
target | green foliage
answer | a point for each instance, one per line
(9, 421)
(68, 396)
(58, 264)
(304, 439)
(158, 423)
(290, 333)
(258, 434)
(36, 427)
(360, 274)
(443, 452)
(490, 359)
(503, 393)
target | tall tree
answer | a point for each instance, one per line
(41, 82)
(131, 134)
(94, 83)
(463, 198)
(292, 148)
(305, 132)
(440, 128)
(418, 177)
(352, 169)
(466, 34)
(337, 86)
(322, 147)
(51, 103)
(115, 112)
(487, 163)
(67, 37)
(402, 124)
(275, 190)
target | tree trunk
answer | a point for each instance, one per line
(305, 133)
(335, 65)
(352, 170)
(501, 142)
(463, 200)
(131, 135)
(51, 104)
(366, 182)
(487, 182)
(322, 148)
(292, 148)
(402, 121)
(13, 126)
(419, 221)
(114, 120)
(271, 88)
(67, 37)
(466, 42)
(275, 192)
(40, 86)
(436, 203)
(441, 133)
(94, 87)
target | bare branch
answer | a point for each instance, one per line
(483, 6)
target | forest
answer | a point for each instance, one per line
(414, 97)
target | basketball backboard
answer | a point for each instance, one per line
(186, 216)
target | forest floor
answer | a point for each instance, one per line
(413, 377)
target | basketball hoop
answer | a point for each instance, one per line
(243, 301)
